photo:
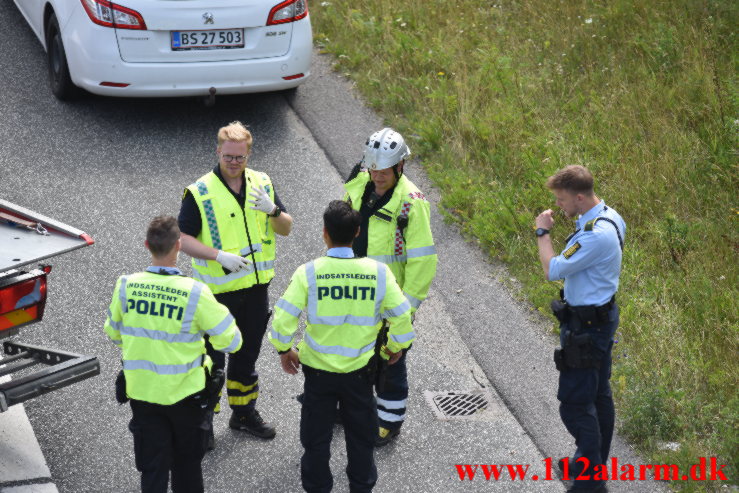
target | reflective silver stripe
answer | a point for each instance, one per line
(310, 276)
(415, 302)
(421, 251)
(403, 337)
(116, 342)
(339, 350)
(390, 417)
(122, 295)
(251, 248)
(200, 261)
(288, 307)
(158, 335)
(192, 306)
(391, 404)
(398, 310)
(336, 320)
(224, 279)
(222, 326)
(116, 325)
(280, 337)
(234, 344)
(381, 286)
(388, 259)
(142, 364)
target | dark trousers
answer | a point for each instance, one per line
(391, 402)
(250, 309)
(323, 390)
(586, 402)
(169, 438)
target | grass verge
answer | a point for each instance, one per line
(497, 95)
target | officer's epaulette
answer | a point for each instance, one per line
(590, 224)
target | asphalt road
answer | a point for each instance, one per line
(108, 166)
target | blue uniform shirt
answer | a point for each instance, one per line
(169, 271)
(591, 262)
(340, 252)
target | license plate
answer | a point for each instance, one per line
(208, 40)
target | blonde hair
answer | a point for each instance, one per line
(235, 132)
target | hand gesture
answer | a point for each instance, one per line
(261, 201)
(545, 219)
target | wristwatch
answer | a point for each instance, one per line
(541, 231)
(276, 213)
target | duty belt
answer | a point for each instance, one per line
(592, 315)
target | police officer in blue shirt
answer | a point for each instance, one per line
(590, 265)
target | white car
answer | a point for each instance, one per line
(160, 48)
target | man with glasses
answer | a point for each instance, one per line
(231, 239)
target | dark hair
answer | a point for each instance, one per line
(162, 235)
(573, 178)
(341, 222)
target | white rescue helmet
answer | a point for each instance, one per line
(384, 149)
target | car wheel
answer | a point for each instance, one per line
(61, 83)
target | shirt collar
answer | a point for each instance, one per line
(591, 214)
(340, 252)
(217, 172)
(167, 271)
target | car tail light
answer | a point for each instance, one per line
(108, 14)
(23, 301)
(287, 11)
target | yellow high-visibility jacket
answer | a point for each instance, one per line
(229, 227)
(410, 253)
(346, 300)
(159, 321)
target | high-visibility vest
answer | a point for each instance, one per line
(159, 321)
(229, 227)
(409, 252)
(345, 300)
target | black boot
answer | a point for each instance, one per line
(253, 423)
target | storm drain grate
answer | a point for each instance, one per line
(457, 404)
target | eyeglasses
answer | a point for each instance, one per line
(229, 158)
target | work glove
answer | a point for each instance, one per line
(261, 201)
(230, 261)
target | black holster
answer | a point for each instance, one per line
(559, 308)
(213, 384)
(578, 352)
(120, 388)
(380, 363)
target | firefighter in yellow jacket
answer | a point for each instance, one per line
(158, 319)
(346, 300)
(228, 219)
(396, 230)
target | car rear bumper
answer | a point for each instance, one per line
(93, 58)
